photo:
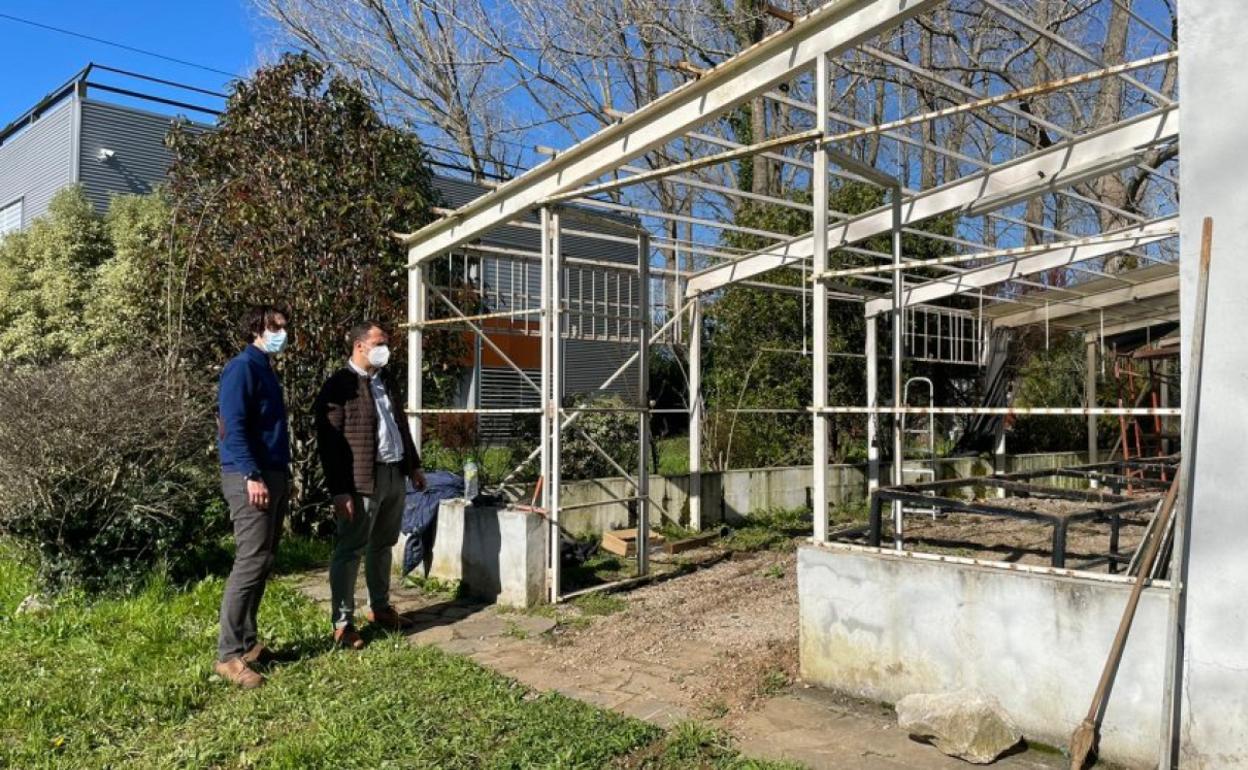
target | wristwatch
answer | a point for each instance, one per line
(254, 476)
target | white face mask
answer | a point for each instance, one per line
(379, 356)
(274, 342)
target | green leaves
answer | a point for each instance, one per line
(293, 200)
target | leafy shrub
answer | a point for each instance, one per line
(104, 470)
(294, 198)
(614, 432)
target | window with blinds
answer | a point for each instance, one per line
(11, 217)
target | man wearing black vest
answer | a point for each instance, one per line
(368, 455)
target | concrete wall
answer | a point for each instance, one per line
(884, 626)
(731, 496)
(1213, 175)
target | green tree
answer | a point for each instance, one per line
(46, 276)
(133, 292)
(76, 285)
(758, 348)
(295, 198)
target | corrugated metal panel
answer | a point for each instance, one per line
(502, 388)
(140, 159)
(37, 162)
(458, 192)
(587, 363)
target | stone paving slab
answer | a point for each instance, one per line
(806, 726)
(813, 728)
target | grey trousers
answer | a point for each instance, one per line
(256, 534)
(371, 534)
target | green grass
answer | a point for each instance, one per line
(599, 604)
(673, 456)
(446, 590)
(696, 745)
(125, 682)
(770, 530)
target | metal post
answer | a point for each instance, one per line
(819, 194)
(552, 544)
(695, 415)
(417, 308)
(873, 400)
(898, 349)
(643, 398)
(1163, 394)
(1089, 394)
(556, 397)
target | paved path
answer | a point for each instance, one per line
(805, 725)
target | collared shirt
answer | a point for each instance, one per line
(389, 440)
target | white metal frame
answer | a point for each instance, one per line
(562, 187)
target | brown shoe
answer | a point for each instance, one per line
(348, 638)
(259, 655)
(390, 619)
(236, 671)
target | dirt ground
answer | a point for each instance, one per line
(1000, 538)
(731, 628)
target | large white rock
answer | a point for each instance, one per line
(967, 725)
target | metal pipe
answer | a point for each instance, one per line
(643, 397)
(556, 364)
(1007, 410)
(417, 309)
(898, 353)
(819, 315)
(873, 402)
(552, 543)
(695, 415)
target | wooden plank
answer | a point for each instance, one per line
(689, 543)
(623, 542)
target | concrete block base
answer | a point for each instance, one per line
(883, 626)
(497, 554)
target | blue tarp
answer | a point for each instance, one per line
(420, 515)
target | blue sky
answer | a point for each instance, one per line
(222, 34)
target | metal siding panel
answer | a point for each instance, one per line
(587, 363)
(39, 161)
(141, 160)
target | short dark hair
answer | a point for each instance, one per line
(360, 331)
(259, 318)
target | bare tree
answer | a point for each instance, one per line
(422, 66)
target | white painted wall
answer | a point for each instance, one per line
(1214, 179)
(882, 626)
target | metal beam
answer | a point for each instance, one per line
(1041, 259)
(1033, 174)
(831, 29)
(1061, 309)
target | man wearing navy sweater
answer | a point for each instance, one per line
(254, 442)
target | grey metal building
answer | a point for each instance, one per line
(92, 133)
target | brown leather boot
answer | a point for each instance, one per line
(390, 619)
(235, 671)
(348, 638)
(259, 655)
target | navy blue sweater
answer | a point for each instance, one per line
(251, 424)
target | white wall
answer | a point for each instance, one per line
(1214, 179)
(883, 626)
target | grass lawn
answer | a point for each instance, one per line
(673, 456)
(125, 682)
